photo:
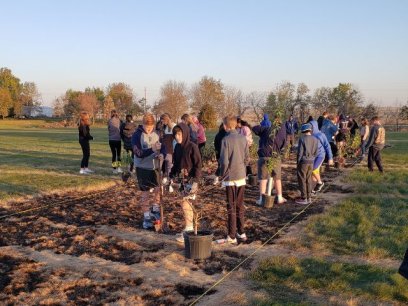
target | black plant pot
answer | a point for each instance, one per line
(267, 201)
(125, 176)
(253, 180)
(198, 247)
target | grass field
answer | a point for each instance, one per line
(35, 159)
(371, 223)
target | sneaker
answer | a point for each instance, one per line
(82, 171)
(115, 171)
(318, 187)
(180, 237)
(282, 201)
(216, 181)
(309, 201)
(147, 220)
(302, 201)
(88, 170)
(259, 202)
(227, 240)
(242, 237)
(120, 170)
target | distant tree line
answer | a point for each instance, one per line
(15, 95)
(209, 99)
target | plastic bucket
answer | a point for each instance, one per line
(198, 247)
(267, 201)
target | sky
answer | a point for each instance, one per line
(252, 45)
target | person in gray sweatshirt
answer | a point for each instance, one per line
(234, 158)
(115, 142)
(306, 154)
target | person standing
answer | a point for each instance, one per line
(127, 130)
(364, 132)
(115, 143)
(217, 147)
(187, 119)
(320, 120)
(84, 138)
(148, 151)
(375, 144)
(272, 140)
(330, 129)
(167, 138)
(306, 155)
(187, 163)
(233, 160)
(291, 129)
(244, 129)
(201, 138)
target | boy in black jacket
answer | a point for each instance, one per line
(186, 162)
(307, 152)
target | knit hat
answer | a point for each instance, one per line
(307, 127)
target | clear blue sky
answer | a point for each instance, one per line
(251, 45)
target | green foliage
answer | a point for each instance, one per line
(346, 98)
(208, 116)
(403, 114)
(207, 91)
(277, 274)
(5, 102)
(369, 111)
(209, 154)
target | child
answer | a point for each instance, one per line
(115, 141)
(147, 150)
(323, 152)
(167, 138)
(233, 161)
(127, 129)
(269, 145)
(186, 160)
(375, 144)
(306, 154)
(188, 120)
(84, 138)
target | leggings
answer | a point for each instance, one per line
(115, 146)
(86, 152)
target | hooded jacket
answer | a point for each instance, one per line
(142, 148)
(266, 122)
(186, 156)
(291, 127)
(323, 148)
(329, 129)
(127, 129)
(269, 143)
(234, 156)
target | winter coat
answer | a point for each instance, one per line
(127, 129)
(269, 143)
(324, 148)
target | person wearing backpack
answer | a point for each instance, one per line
(375, 144)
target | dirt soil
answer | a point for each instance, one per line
(90, 249)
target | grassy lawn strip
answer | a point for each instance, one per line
(287, 278)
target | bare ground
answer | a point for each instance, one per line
(90, 248)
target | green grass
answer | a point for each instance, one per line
(288, 278)
(372, 222)
(34, 159)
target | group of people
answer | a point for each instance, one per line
(174, 151)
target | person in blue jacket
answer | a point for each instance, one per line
(291, 129)
(330, 129)
(266, 122)
(323, 150)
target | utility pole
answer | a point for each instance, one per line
(145, 100)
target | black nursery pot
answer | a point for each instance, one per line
(198, 247)
(267, 201)
(125, 176)
(253, 180)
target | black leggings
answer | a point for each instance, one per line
(115, 146)
(86, 152)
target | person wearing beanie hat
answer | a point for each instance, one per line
(306, 154)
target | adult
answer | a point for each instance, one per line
(330, 129)
(84, 138)
(323, 151)
(115, 142)
(375, 144)
(321, 119)
(291, 129)
(127, 129)
(272, 140)
(364, 132)
(265, 121)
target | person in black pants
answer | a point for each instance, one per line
(127, 130)
(115, 141)
(84, 138)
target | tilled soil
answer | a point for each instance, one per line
(90, 248)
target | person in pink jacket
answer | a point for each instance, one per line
(201, 139)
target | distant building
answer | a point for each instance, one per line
(40, 111)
